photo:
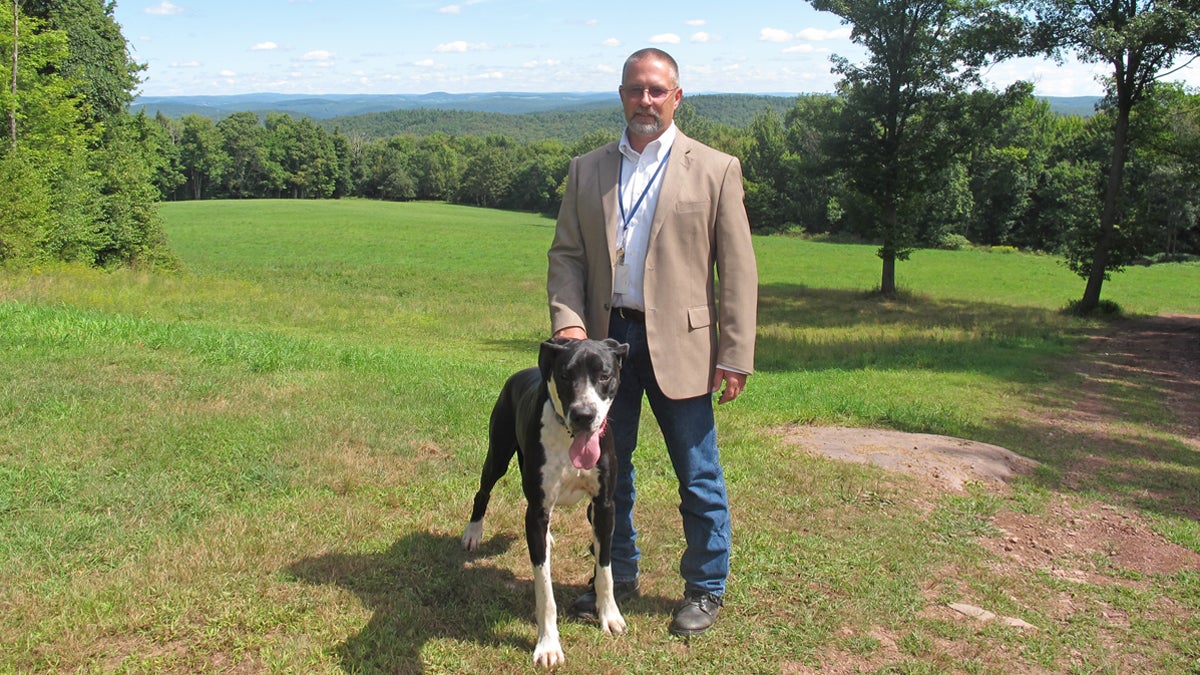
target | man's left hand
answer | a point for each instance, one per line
(735, 384)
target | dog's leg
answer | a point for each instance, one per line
(502, 445)
(548, 651)
(607, 612)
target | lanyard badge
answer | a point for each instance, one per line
(622, 284)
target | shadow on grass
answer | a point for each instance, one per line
(1116, 415)
(421, 589)
(424, 587)
(1123, 418)
(803, 328)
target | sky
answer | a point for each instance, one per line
(221, 47)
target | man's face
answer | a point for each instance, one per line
(649, 96)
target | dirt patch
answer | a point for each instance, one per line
(1161, 352)
(947, 462)
(1096, 544)
(1076, 539)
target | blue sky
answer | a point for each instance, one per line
(414, 47)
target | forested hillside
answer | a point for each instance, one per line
(950, 163)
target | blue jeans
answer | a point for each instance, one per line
(689, 431)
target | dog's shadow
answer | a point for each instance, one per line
(421, 588)
(424, 587)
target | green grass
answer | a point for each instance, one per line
(264, 463)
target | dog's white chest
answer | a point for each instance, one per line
(562, 483)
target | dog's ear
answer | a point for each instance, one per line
(619, 349)
(549, 352)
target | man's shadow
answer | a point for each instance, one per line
(423, 587)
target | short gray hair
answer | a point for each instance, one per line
(652, 53)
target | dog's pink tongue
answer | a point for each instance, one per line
(585, 450)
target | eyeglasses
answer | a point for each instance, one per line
(636, 93)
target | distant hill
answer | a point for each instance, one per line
(520, 116)
(345, 105)
(1084, 106)
(509, 103)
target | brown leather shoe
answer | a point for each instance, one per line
(696, 614)
(584, 606)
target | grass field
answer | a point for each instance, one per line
(263, 464)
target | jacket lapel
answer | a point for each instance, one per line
(674, 177)
(608, 181)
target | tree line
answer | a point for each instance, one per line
(75, 178)
(1019, 176)
(911, 150)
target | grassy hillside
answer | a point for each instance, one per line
(263, 464)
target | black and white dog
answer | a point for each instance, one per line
(554, 418)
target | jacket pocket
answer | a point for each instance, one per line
(699, 317)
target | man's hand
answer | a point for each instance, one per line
(572, 333)
(735, 384)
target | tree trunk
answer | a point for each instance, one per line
(12, 113)
(1111, 211)
(887, 283)
(887, 252)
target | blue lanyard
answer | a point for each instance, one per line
(625, 218)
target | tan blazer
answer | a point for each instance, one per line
(700, 225)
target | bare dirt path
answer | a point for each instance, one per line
(1161, 352)
(1101, 541)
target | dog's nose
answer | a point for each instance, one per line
(583, 416)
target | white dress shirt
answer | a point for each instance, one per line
(641, 179)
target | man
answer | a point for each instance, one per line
(648, 226)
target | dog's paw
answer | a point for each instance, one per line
(548, 652)
(473, 536)
(612, 622)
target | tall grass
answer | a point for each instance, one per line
(264, 463)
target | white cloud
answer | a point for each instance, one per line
(665, 39)
(460, 47)
(611, 42)
(227, 73)
(185, 64)
(774, 35)
(425, 63)
(696, 22)
(701, 37)
(164, 9)
(450, 9)
(264, 46)
(817, 35)
(318, 55)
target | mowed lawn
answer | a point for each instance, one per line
(264, 462)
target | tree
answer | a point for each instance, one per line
(47, 209)
(98, 62)
(16, 53)
(250, 171)
(488, 176)
(1141, 40)
(768, 180)
(438, 165)
(306, 155)
(384, 170)
(897, 131)
(1005, 160)
(204, 159)
(1164, 174)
